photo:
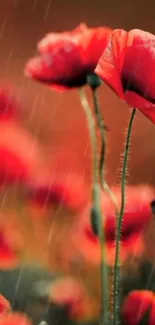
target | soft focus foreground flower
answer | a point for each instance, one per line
(66, 59)
(137, 306)
(71, 292)
(4, 305)
(137, 219)
(14, 319)
(127, 66)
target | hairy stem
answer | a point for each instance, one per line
(119, 224)
(102, 129)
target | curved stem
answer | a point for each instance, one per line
(102, 128)
(96, 202)
(119, 224)
(92, 134)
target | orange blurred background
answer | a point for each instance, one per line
(57, 118)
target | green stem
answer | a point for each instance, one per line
(119, 224)
(102, 129)
(92, 133)
(96, 202)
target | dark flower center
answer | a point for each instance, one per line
(138, 71)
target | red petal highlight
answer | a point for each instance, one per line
(136, 305)
(145, 106)
(110, 64)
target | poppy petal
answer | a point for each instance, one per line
(14, 319)
(152, 314)
(66, 291)
(67, 58)
(12, 168)
(136, 305)
(138, 64)
(136, 101)
(65, 189)
(137, 219)
(4, 305)
(110, 64)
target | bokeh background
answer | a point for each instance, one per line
(57, 119)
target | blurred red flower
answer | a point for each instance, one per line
(9, 103)
(20, 152)
(11, 241)
(14, 319)
(127, 66)
(4, 305)
(59, 188)
(72, 292)
(12, 169)
(67, 58)
(138, 304)
(137, 218)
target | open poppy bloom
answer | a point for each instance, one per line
(127, 66)
(66, 59)
(137, 306)
(137, 218)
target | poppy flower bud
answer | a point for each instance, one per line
(94, 81)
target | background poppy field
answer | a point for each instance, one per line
(23, 23)
(49, 129)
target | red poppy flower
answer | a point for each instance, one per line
(14, 319)
(66, 59)
(61, 188)
(53, 204)
(137, 218)
(127, 66)
(137, 305)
